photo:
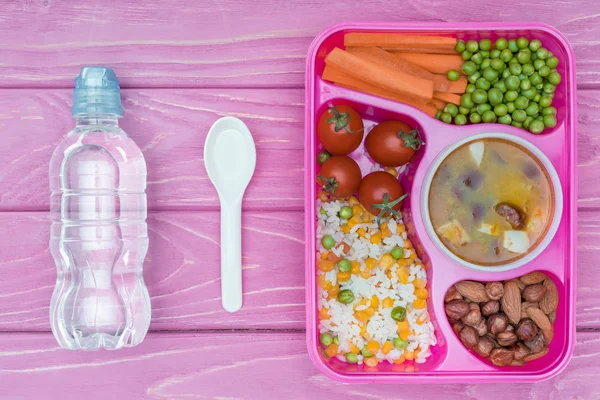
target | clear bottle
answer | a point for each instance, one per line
(99, 235)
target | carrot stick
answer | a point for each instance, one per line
(398, 40)
(435, 63)
(381, 76)
(439, 104)
(375, 54)
(459, 86)
(447, 97)
(342, 79)
(419, 50)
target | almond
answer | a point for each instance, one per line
(534, 293)
(533, 277)
(473, 291)
(542, 321)
(550, 300)
(511, 301)
(452, 294)
(535, 356)
(552, 316)
(524, 306)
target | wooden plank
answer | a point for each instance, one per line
(229, 44)
(267, 365)
(182, 272)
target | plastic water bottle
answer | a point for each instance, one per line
(99, 235)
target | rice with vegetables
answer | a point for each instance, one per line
(372, 288)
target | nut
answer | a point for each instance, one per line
(533, 277)
(474, 306)
(502, 357)
(473, 291)
(521, 351)
(537, 355)
(472, 318)
(526, 329)
(481, 327)
(550, 301)
(534, 293)
(497, 323)
(490, 307)
(506, 338)
(542, 321)
(452, 294)
(469, 337)
(552, 316)
(484, 347)
(536, 344)
(457, 327)
(494, 290)
(516, 363)
(511, 301)
(524, 306)
(456, 309)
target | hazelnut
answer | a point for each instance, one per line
(526, 329)
(506, 338)
(502, 357)
(452, 294)
(521, 351)
(484, 347)
(473, 317)
(534, 293)
(469, 337)
(490, 307)
(456, 309)
(481, 327)
(494, 290)
(457, 327)
(497, 323)
(536, 344)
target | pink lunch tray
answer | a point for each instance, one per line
(450, 360)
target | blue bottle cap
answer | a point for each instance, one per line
(96, 92)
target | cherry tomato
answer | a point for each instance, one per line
(340, 130)
(339, 176)
(393, 143)
(373, 189)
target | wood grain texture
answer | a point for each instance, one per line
(236, 366)
(231, 43)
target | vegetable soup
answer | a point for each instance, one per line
(491, 202)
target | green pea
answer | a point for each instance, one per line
(485, 64)
(460, 46)
(475, 118)
(473, 78)
(536, 126)
(549, 87)
(536, 79)
(533, 56)
(452, 109)
(544, 71)
(346, 212)
(511, 95)
(490, 74)
(398, 313)
(485, 44)
(528, 69)
(545, 101)
(477, 58)
(521, 103)
(522, 42)
(523, 57)
(472, 46)
(512, 45)
(500, 110)
(344, 265)
(501, 43)
(351, 358)
(537, 97)
(397, 253)
(438, 114)
(510, 107)
(554, 78)
(328, 242)
(505, 119)
(512, 82)
(506, 73)
(529, 94)
(322, 157)
(515, 68)
(326, 339)
(535, 45)
(495, 96)
(453, 75)
(550, 54)
(322, 211)
(400, 344)
(542, 53)
(470, 88)
(488, 116)
(336, 340)
(481, 108)
(549, 121)
(532, 109)
(495, 53)
(519, 115)
(345, 296)
(466, 56)
(516, 124)
(549, 110)
(513, 61)
(552, 62)
(540, 86)
(526, 122)
(485, 54)
(525, 84)
(506, 55)
(469, 68)
(466, 101)
(460, 119)
(365, 352)
(483, 83)
(446, 117)
(537, 64)
(501, 85)
(479, 96)
(463, 110)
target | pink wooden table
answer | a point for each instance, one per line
(184, 64)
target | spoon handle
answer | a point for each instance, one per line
(231, 256)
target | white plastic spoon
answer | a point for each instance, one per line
(230, 158)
